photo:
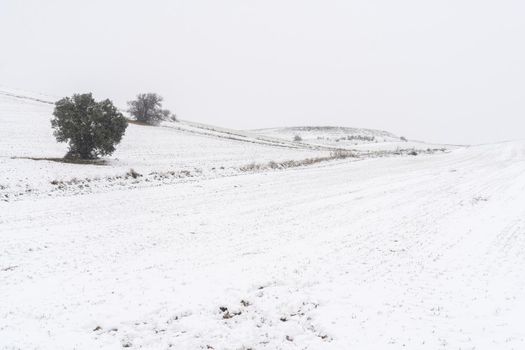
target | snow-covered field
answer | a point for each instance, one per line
(25, 132)
(173, 152)
(400, 252)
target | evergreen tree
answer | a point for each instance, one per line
(91, 128)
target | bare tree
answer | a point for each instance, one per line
(147, 108)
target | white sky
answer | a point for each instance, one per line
(444, 71)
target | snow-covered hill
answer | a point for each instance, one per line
(173, 152)
(206, 151)
(329, 133)
(347, 138)
(398, 252)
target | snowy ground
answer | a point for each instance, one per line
(328, 134)
(25, 132)
(423, 252)
(349, 138)
(173, 152)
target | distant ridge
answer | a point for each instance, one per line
(330, 129)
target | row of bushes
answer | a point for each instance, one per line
(337, 154)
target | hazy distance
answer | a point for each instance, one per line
(441, 71)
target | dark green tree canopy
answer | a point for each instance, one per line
(91, 128)
(147, 108)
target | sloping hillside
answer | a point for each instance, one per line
(329, 133)
(359, 140)
(28, 148)
(30, 158)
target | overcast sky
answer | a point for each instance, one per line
(444, 71)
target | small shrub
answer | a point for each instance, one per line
(297, 138)
(132, 173)
(250, 167)
(404, 139)
(341, 154)
(357, 138)
(273, 165)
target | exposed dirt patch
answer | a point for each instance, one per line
(68, 160)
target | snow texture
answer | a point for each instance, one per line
(394, 252)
